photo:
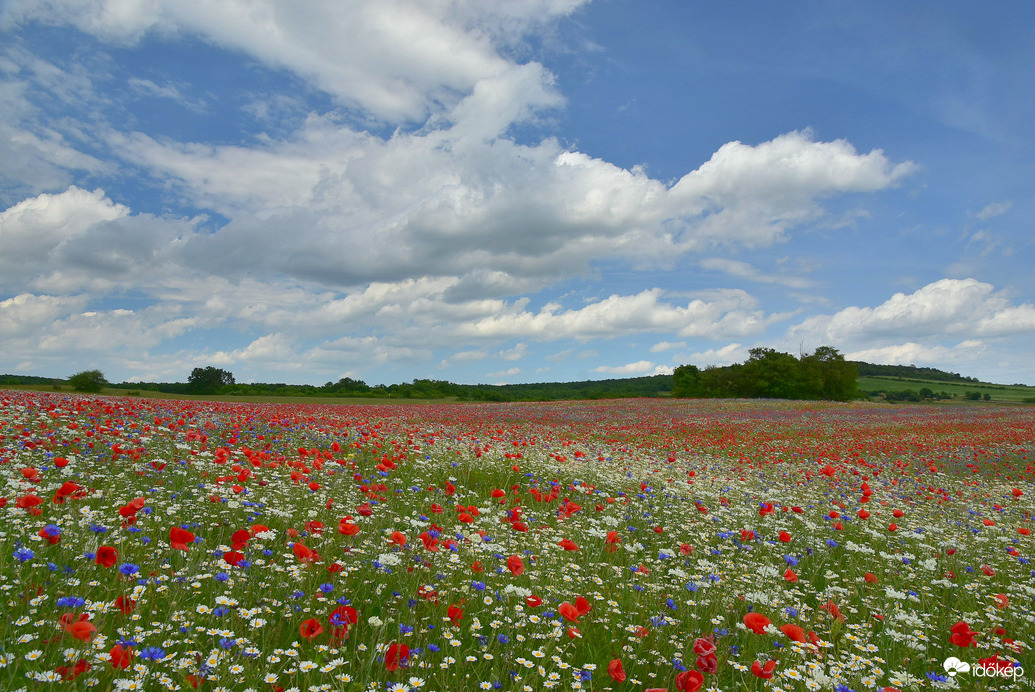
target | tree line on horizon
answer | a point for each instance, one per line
(767, 373)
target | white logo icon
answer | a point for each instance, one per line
(953, 665)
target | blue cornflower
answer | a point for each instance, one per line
(405, 629)
(152, 653)
(24, 554)
(52, 530)
(503, 639)
(128, 569)
(223, 576)
(326, 587)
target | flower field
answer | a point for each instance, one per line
(621, 545)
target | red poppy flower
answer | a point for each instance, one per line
(131, 508)
(81, 666)
(125, 604)
(121, 656)
(304, 553)
(689, 681)
(708, 664)
(347, 528)
(568, 612)
(615, 670)
(785, 537)
(793, 632)
(397, 654)
(516, 565)
(834, 611)
(310, 628)
(756, 622)
(789, 575)
(568, 544)
(582, 605)
(179, 538)
(962, 635)
(533, 601)
(704, 646)
(399, 538)
(82, 630)
(455, 614)
(106, 556)
(232, 557)
(993, 663)
(343, 616)
(763, 671)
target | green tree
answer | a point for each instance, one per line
(686, 381)
(829, 375)
(209, 380)
(87, 381)
(773, 374)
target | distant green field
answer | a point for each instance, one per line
(145, 394)
(998, 392)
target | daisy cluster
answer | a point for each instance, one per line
(620, 545)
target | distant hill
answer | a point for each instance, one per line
(28, 379)
(909, 372)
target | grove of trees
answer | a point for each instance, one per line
(767, 373)
(209, 380)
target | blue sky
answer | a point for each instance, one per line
(519, 191)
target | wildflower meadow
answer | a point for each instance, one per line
(618, 545)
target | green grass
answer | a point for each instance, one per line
(998, 392)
